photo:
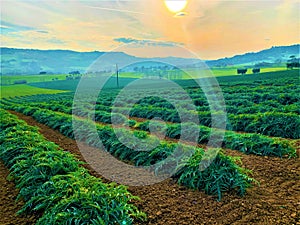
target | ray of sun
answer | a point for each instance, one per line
(175, 6)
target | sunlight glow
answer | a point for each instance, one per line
(175, 5)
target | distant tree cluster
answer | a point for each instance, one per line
(45, 72)
(241, 71)
(143, 69)
(256, 70)
(293, 62)
(73, 75)
(244, 71)
(292, 65)
(263, 64)
(74, 72)
(20, 82)
(169, 72)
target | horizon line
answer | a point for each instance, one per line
(36, 49)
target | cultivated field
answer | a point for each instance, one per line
(252, 176)
(23, 89)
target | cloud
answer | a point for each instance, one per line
(10, 27)
(147, 42)
(56, 41)
(119, 10)
(180, 14)
(14, 29)
(42, 31)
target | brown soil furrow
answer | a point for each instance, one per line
(8, 205)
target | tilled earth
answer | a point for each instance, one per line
(275, 200)
(8, 204)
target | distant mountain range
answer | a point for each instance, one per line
(30, 61)
(277, 54)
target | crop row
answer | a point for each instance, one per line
(235, 103)
(280, 94)
(277, 124)
(269, 118)
(52, 182)
(249, 143)
(278, 78)
(222, 175)
(284, 125)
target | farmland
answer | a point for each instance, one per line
(216, 71)
(254, 172)
(23, 89)
(10, 79)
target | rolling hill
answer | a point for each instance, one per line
(32, 61)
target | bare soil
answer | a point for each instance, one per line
(8, 204)
(276, 200)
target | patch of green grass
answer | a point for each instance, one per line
(90, 84)
(272, 69)
(196, 73)
(261, 77)
(10, 79)
(23, 89)
(226, 71)
(129, 75)
(71, 85)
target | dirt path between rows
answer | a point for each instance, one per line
(8, 204)
(275, 201)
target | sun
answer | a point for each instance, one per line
(175, 6)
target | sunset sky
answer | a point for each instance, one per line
(211, 29)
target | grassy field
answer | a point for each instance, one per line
(228, 71)
(233, 71)
(10, 79)
(71, 85)
(261, 134)
(23, 89)
(192, 73)
(50, 87)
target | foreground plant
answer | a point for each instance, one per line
(188, 173)
(52, 182)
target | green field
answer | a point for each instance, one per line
(196, 73)
(71, 85)
(192, 73)
(10, 79)
(51, 87)
(261, 126)
(233, 71)
(228, 71)
(23, 89)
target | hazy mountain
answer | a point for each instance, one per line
(272, 55)
(29, 61)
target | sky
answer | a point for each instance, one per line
(210, 29)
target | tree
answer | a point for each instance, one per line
(256, 70)
(292, 62)
(241, 71)
(20, 82)
(291, 65)
(74, 72)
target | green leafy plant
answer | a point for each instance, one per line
(52, 182)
